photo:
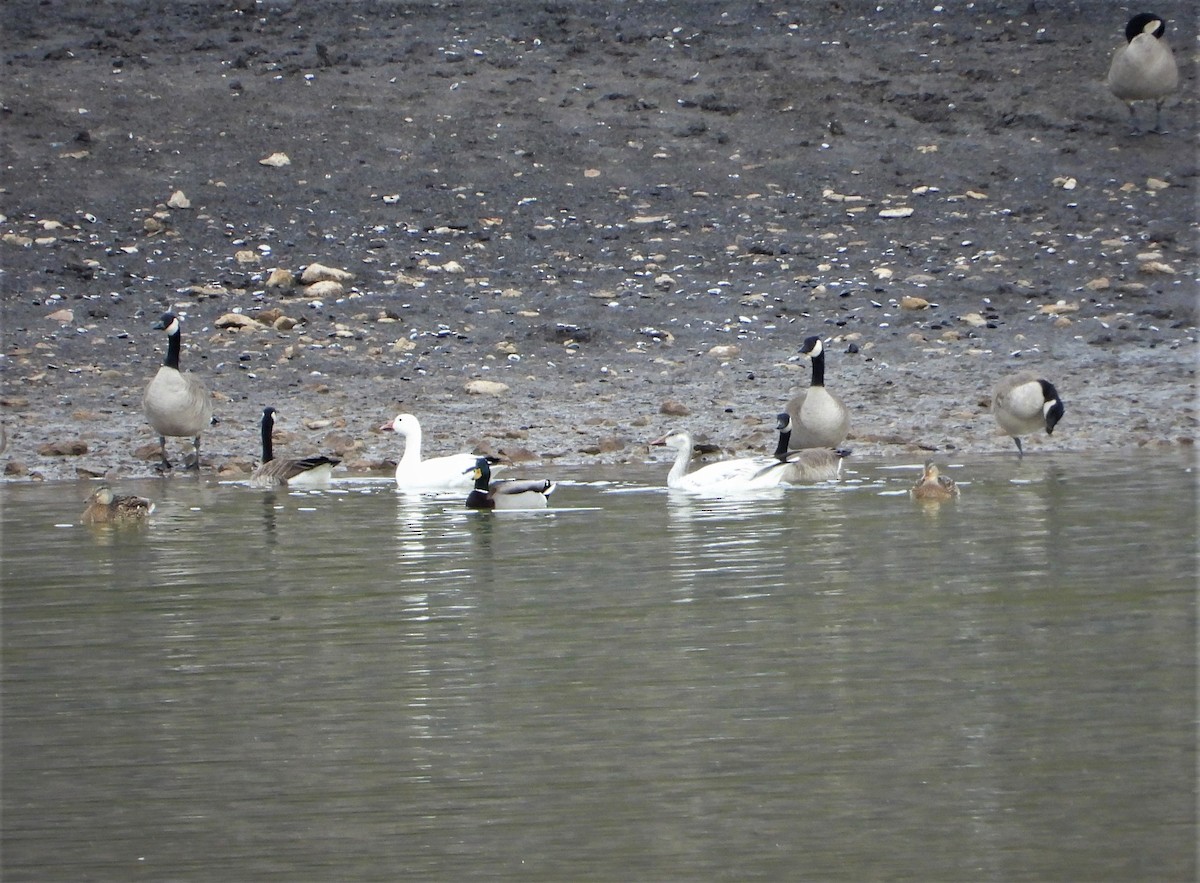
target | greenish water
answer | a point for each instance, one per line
(826, 683)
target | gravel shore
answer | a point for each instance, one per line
(625, 217)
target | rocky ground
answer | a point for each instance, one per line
(627, 214)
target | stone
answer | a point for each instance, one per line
(179, 200)
(325, 289)
(674, 408)
(63, 448)
(315, 272)
(275, 160)
(485, 387)
(281, 278)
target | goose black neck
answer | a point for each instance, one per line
(781, 449)
(818, 363)
(268, 425)
(172, 358)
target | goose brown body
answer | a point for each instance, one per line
(271, 472)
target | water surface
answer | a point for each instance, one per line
(823, 683)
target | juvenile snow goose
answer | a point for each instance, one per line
(105, 507)
(1144, 68)
(819, 419)
(175, 403)
(449, 473)
(303, 472)
(1024, 403)
(933, 487)
(725, 476)
(810, 464)
(512, 494)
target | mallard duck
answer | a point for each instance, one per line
(810, 464)
(511, 494)
(1144, 68)
(1023, 403)
(933, 486)
(306, 471)
(724, 476)
(104, 506)
(175, 403)
(819, 419)
(451, 472)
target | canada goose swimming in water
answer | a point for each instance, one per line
(104, 507)
(512, 494)
(1144, 68)
(819, 419)
(810, 464)
(306, 471)
(932, 486)
(1024, 403)
(175, 403)
(452, 472)
(724, 476)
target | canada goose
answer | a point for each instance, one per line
(810, 464)
(819, 419)
(1144, 68)
(104, 506)
(932, 486)
(452, 472)
(307, 471)
(1023, 403)
(724, 476)
(513, 494)
(176, 403)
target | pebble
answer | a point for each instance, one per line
(275, 160)
(179, 200)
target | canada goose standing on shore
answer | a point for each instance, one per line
(1024, 403)
(305, 471)
(1144, 68)
(809, 464)
(105, 507)
(509, 494)
(933, 487)
(819, 419)
(175, 403)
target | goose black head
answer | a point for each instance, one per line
(1145, 23)
(167, 322)
(1053, 407)
(812, 347)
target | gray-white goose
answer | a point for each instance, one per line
(1023, 403)
(176, 403)
(819, 419)
(809, 464)
(1144, 68)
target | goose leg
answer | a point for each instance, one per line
(1133, 122)
(1158, 129)
(162, 449)
(195, 464)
